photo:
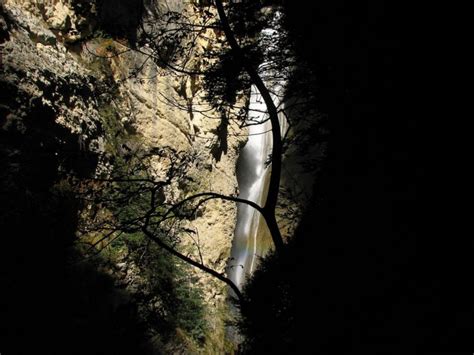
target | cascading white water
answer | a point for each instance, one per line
(253, 175)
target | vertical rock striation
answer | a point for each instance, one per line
(55, 61)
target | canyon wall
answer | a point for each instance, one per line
(82, 87)
(59, 70)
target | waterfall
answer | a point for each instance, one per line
(251, 177)
(251, 236)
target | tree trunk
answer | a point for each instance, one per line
(274, 185)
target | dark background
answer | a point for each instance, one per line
(375, 265)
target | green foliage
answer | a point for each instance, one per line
(111, 126)
(101, 49)
(224, 80)
(168, 300)
(116, 134)
(190, 309)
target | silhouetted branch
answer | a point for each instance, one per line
(274, 185)
(196, 264)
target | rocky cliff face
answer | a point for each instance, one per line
(79, 88)
(57, 70)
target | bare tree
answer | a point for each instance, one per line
(140, 188)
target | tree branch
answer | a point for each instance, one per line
(214, 195)
(194, 263)
(274, 185)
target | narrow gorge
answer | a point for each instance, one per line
(251, 237)
(222, 177)
(132, 140)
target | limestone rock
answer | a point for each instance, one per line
(72, 84)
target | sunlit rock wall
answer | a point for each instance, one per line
(49, 54)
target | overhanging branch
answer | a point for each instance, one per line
(196, 264)
(274, 185)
